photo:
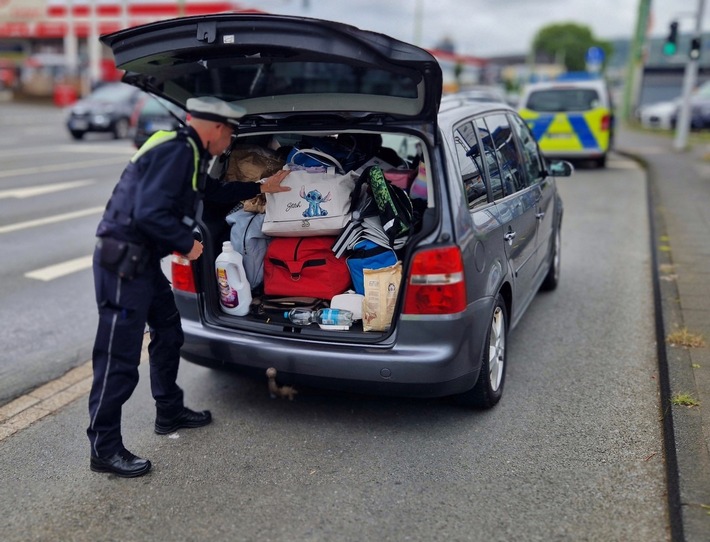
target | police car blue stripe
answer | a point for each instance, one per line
(539, 126)
(581, 128)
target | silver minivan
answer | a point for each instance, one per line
(487, 234)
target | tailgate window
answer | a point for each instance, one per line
(238, 82)
(560, 100)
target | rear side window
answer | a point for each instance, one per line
(468, 154)
(489, 158)
(509, 159)
(531, 157)
(565, 99)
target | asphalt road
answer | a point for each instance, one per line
(52, 192)
(572, 452)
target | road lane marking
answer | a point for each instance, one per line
(55, 271)
(50, 219)
(90, 148)
(21, 193)
(105, 148)
(22, 412)
(62, 167)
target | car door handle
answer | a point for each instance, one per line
(509, 237)
(540, 215)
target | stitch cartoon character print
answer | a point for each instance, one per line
(314, 199)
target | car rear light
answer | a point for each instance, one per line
(436, 283)
(606, 123)
(182, 276)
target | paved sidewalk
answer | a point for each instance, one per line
(679, 185)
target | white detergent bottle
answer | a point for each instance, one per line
(234, 288)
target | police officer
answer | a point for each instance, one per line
(150, 215)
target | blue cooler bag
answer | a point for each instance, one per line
(368, 255)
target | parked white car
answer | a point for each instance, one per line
(659, 115)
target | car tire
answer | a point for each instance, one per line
(120, 129)
(601, 161)
(489, 386)
(76, 134)
(552, 278)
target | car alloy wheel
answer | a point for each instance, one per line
(496, 349)
(120, 129)
(553, 274)
(489, 387)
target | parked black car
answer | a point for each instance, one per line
(487, 239)
(700, 107)
(107, 109)
(153, 114)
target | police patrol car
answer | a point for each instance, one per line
(570, 119)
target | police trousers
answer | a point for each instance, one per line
(125, 306)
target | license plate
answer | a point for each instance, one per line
(78, 124)
(559, 135)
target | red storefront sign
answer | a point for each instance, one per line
(48, 18)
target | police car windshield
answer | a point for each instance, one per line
(568, 99)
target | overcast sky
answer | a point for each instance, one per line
(491, 27)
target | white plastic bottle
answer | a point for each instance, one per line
(234, 288)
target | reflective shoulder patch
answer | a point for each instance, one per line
(161, 136)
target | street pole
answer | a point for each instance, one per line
(418, 19)
(125, 20)
(690, 79)
(71, 48)
(94, 46)
(634, 67)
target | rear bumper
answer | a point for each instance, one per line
(94, 123)
(425, 357)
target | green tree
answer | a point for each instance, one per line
(567, 43)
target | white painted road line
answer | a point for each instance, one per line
(88, 148)
(21, 193)
(93, 148)
(62, 167)
(51, 219)
(55, 271)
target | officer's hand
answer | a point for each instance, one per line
(273, 183)
(196, 251)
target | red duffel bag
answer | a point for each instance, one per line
(304, 266)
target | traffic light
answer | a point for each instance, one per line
(671, 46)
(695, 46)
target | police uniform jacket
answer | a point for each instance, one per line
(153, 203)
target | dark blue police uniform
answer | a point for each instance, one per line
(149, 215)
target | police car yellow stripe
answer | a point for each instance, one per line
(570, 132)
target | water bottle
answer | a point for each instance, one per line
(324, 317)
(234, 288)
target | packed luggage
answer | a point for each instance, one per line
(347, 216)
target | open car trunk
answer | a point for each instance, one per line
(296, 78)
(402, 159)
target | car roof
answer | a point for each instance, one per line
(597, 84)
(482, 93)
(453, 109)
